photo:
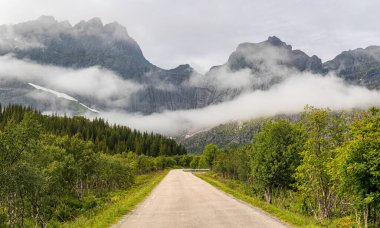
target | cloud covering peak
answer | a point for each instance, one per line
(36, 33)
(288, 97)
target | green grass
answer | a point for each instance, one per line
(121, 203)
(287, 217)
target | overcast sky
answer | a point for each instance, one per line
(204, 33)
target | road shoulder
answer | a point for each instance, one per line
(286, 217)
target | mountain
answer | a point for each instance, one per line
(359, 66)
(240, 132)
(259, 56)
(232, 133)
(90, 43)
(222, 135)
(109, 47)
(86, 44)
(260, 66)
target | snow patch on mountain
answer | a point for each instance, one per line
(62, 95)
(58, 94)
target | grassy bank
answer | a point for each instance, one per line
(288, 217)
(120, 204)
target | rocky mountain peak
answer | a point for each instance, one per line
(94, 24)
(373, 47)
(96, 27)
(46, 20)
(184, 67)
(271, 53)
(116, 30)
(96, 21)
(275, 41)
(359, 66)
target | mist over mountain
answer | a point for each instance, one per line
(86, 44)
(102, 68)
(255, 66)
(258, 57)
(92, 44)
(359, 66)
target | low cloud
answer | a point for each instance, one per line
(288, 97)
(10, 39)
(222, 78)
(251, 66)
(36, 33)
(92, 83)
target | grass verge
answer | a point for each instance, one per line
(122, 202)
(288, 217)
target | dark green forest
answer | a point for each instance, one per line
(112, 139)
(325, 165)
(53, 168)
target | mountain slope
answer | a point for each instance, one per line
(273, 51)
(84, 45)
(252, 66)
(359, 66)
(90, 43)
(256, 66)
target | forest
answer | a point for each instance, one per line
(53, 168)
(325, 165)
(112, 139)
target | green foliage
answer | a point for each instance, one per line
(164, 162)
(232, 162)
(222, 135)
(324, 165)
(183, 160)
(119, 204)
(18, 179)
(237, 190)
(108, 138)
(360, 167)
(275, 156)
(54, 169)
(209, 155)
(326, 132)
(194, 162)
(113, 172)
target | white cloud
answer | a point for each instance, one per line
(92, 83)
(222, 79)
(265, 61)
(290, 96)
(10, 39)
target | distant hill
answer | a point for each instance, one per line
(228, 134)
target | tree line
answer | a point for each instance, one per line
(53, 169)
(326, 165)
(112, 139)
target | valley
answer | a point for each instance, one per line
(209, 114)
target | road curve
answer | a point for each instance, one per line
(184, 200)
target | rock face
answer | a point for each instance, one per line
(259, 57)
(84, 45)
(91, 43)
(267, 63)
(359, 66)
